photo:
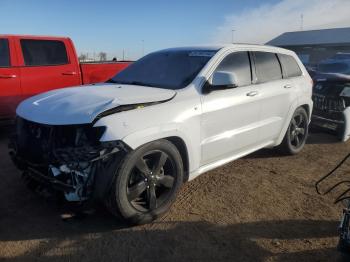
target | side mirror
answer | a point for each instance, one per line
(220, 80)
(224, 80)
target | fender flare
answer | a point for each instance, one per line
(141, 137)
(296, 104)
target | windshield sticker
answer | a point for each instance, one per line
(202, 53)
(345, 92)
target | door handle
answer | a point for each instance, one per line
(252, 93)
(69, 73)
(288, 86)
(8, 76)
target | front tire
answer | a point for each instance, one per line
(147, 182)
(297, 132)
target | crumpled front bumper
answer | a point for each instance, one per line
(79, 173)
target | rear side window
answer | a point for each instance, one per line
(290, 66)
(43, 52)
(267, 67)
(239, 64)
(4, 53)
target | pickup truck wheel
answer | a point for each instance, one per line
(295, 137)
(147, 182)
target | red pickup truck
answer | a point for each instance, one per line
(34, 64)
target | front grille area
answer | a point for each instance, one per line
(37, 142)
(329, 104)
(33, 141)
(67, 159)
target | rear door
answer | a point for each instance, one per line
(276, 94)
(47, 65)
(10, 89)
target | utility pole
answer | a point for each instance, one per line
(143, 47)
(233, 31)
(123, 54)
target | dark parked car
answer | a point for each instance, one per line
(331, 95)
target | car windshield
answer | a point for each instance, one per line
(168, 69)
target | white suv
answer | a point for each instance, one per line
(164, 120)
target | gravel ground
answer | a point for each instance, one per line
(259, 208)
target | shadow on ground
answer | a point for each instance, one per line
(319, 137)
(99, 240)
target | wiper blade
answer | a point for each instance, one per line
(138, 83)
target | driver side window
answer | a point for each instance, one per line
(4, 53)
(237, 63)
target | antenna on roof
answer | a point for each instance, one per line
(301, 22)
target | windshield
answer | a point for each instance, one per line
(169, 69)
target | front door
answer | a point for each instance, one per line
(10, 89)
(230, 117)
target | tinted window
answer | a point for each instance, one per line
(4, 53)
(44, 52)
(267, 67)
(169, 69)
(290, 66)
(239, 64)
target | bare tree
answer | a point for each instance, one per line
(82, 57)
(102, 56)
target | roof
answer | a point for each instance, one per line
(313, 37)
(34, 36)
(216, 48)
(194, 48)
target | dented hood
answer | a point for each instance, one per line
(81, 105)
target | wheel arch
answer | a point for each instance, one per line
(181, 146)
(307, 109)
(294, 107)
(186, 148)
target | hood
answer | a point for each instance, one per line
(81, 105)
(319, 77)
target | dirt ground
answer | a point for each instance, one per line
(260, 208)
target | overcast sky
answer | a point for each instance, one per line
(134, 26)
(263, 22)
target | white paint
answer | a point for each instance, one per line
(346, 134)
(78, 105)
(216, 128)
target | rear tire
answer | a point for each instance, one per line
(146, 183)
(297, 132)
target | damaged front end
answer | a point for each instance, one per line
(331, 109)
(66, 159)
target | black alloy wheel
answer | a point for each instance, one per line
(298, 127)
(151, 181)
(297, 132)
(146, 182)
